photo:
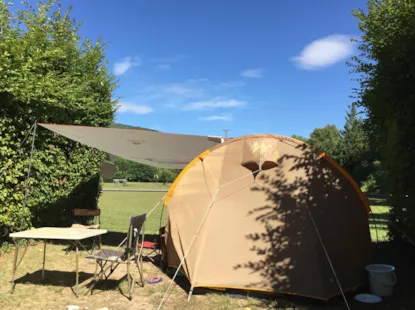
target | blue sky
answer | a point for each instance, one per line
(197, 67)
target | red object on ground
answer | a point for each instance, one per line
(148, 245)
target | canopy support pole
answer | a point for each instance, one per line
(20, 147)
(26, 189)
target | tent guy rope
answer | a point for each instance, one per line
(196, 234)
(148, 214)
(328, 258)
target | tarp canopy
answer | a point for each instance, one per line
(152, 148)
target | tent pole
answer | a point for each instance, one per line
(190, 293)
(196, 234)
(28, 175)
(187, 251)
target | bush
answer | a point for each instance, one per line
(49, 74)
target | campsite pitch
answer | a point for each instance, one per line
(56, 292)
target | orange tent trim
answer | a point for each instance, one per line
(362, 196)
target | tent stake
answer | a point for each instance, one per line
(28, 175)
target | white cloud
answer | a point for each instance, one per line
(170, 59)
(324, 52)
(126, 64)
(252, 73)
(126, 107)
(229, 84)
(214, 103)
(165, 63)
(199, 80)
(216, 118)
(164, 66)
(178, 89)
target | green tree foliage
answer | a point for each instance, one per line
(301, 138)
(354, 150)
(136, 172)
(328, 140)
(386, 69)
(48, 73)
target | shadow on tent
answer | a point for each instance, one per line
(297, 210)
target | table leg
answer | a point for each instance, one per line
(77, 273)
(16, 252)
(44, 260)
(100, 241)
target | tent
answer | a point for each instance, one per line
(268, 213)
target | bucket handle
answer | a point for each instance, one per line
(384, 283)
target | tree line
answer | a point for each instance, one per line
(136, 172)
(378, 150)
(49, 73)
(350, 148)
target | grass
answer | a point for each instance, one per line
(56, 291)
(378, 220)
(117, 207)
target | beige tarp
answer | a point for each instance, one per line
(256, 232)
(146, 147)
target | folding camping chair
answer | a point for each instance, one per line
(108, 260)
(96, 214)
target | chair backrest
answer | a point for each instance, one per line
(96, 213)
(134, 231)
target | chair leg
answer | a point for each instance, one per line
(132, 279)
(94, 279)
(129, 281)
(101, 274)
(140, 270)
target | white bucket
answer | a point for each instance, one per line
(382, 279)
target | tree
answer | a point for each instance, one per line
(301, 138)
(48, 73)
(354, 151)
(136, 172)
(386, 76)
(327, 140)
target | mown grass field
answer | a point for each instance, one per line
(117, 207)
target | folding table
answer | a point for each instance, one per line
(54, 233)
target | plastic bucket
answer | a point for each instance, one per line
(382, 279)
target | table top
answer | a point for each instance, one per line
(58, 233)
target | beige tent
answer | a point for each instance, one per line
(267, 213)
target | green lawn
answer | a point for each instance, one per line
(117, 207)
(378, 222)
